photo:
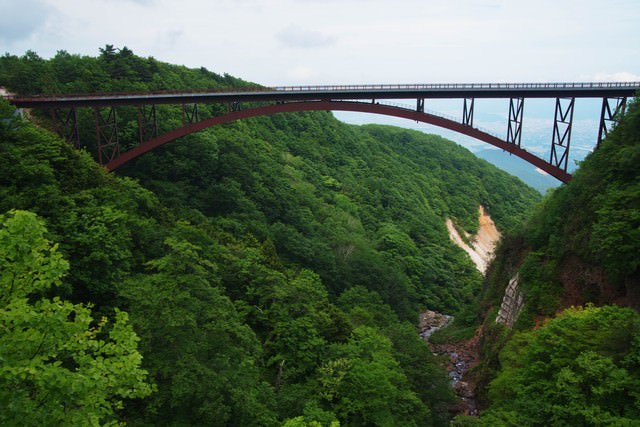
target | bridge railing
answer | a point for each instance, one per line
(427, 86)
(333, 88)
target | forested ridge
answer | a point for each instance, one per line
(272, 269)
(573, 356)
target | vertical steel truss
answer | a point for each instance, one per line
(562, 133)
(420, 105)
(234, 106)
(107, 135)
(514, 129)
(190, 114)
(66, 125)
(467, 112)
(147, 123)
(610, 116)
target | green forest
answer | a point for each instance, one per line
(573, 358)
(271, 271)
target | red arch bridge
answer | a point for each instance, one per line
(244, 103)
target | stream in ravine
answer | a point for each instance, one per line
(464, 355)
(461, 357)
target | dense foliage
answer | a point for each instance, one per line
(59, 367)
(579, 369)
(271, 268)
(582, 368)
(582, 243)
(580, 247)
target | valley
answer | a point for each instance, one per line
(269, 271)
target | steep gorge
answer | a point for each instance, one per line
(463, 356)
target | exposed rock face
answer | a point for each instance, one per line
(512, 304)
(588, 283)
(482, 244)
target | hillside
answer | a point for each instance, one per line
(584, 236)
(273, 268)
(562, 365)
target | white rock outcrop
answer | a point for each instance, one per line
(512, 304)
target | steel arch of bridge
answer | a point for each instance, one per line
(362, 107)
(356, 98)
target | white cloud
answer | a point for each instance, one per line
(169, 38)
(621, 76)
(301, 74)
(20, 20)
(298, 37)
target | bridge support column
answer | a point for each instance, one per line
(467, 112)
(514, 128)
(66, 125)
(420, 105)
(190, 114)
(107, 135)
(147, 123)
(610, 116)
(562, 133)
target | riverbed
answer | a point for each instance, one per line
(462, 356)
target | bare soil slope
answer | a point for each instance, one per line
(482, 244)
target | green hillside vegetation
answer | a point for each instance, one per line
(59, 366)
(581, 247)
(272, 269)
(582, 243)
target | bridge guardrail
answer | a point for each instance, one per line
(420, 86)
(336, 88)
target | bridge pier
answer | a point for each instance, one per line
(147, 123)
(66, 125)
(107, 135)
(467, 112)
(561, 139)
(514, 128)
(190, 114)
(610, 116)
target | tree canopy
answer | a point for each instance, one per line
(273, 268)
(59, 365)
(578, 249)
(581, 368)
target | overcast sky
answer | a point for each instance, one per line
(291, 42)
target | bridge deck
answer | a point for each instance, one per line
(340, 92)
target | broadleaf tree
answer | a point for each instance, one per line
(58, 366)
